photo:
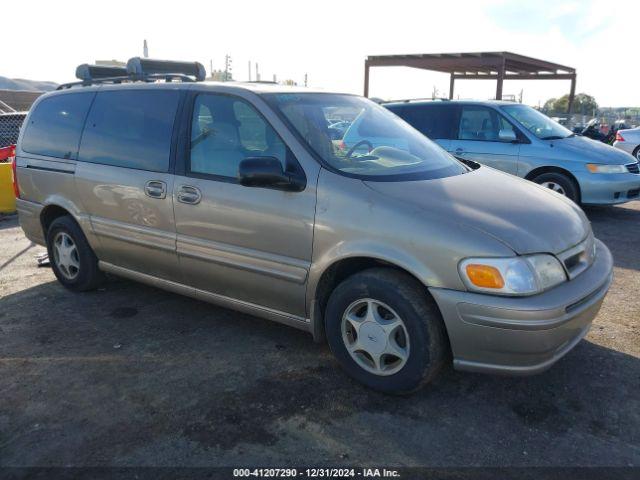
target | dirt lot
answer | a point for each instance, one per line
(131, 375)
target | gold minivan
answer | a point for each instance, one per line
(399, 255)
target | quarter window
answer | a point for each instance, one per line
(434, 121)
(56, 124)
(131, 128)
(224, 131)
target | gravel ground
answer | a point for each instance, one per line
(133, 376)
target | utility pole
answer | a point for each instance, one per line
(211, 68)
(305, 79)
(249, 70)
(257, 73)
(274, 78)
(227, 67)
(145, 49)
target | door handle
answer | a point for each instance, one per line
(189, 194)
(155, 189)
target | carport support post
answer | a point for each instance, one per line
(366, 78)
(572, 94)
(452, 81)
(501, 69)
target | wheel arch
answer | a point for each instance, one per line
(340, 269)
(552, 169)
(49, 213)
(57, 206)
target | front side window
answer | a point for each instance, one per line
(377, 144)
(224, 131)
(130, 128)
(56, 124)
(537, 123)
(484, 124)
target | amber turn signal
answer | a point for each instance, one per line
(484, 276)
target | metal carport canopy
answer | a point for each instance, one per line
(498, 66)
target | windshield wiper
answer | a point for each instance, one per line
(553, 137)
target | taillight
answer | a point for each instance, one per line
(619, 138)
(14, 171)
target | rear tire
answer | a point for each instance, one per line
(72, 260)
(559, 183)
(636, 153)
(400, 342)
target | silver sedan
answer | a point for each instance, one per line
(629, 141)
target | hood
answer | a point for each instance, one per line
(524, 216)
(591, 150)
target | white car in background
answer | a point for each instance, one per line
(629, 141)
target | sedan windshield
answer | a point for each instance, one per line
(358, 137)
(537, 123)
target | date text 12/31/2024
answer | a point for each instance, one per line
(316, 473)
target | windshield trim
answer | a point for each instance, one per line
(398, 177)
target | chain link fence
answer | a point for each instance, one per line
(10, 124)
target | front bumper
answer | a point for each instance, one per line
(523, 335)
(608, 189)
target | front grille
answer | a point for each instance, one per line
(633, 168)
(577, 259)
(633, 193)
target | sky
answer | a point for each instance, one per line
(329, 40)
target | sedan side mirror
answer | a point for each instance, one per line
(267, 172)
(507, 136)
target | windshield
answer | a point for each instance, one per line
(537, 123)
(360, 138)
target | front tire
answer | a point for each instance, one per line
(386, 331)
(72, 260)
(559, 183)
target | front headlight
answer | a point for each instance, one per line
(525, 275)
(603, 168)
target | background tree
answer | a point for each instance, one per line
(582, 103)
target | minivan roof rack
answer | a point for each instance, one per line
(88, 72)
(143, 67)
(137, 70)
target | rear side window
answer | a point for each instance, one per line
(130, 128)
(433, 121)
(56, 124)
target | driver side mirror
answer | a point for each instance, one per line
(267, 172)
(507, 136)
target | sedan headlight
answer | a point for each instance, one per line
(525, 275)
(604, 168)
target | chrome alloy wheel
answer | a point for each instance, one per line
(555, 187)
(375, 336)
(638, 154)
(65, 255)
